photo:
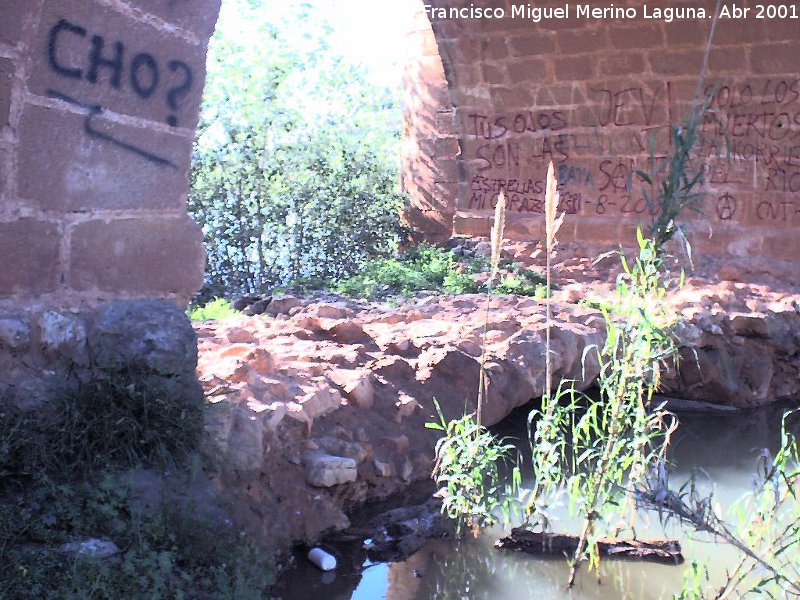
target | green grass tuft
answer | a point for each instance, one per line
(217, 310)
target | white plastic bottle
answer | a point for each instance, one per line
(325, 561)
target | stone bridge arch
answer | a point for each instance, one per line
(491, 101)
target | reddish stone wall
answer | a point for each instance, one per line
(430, 147)
(587, 93)
(99, 100)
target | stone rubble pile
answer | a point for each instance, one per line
(317, 406)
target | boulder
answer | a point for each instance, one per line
(150, 335)
(281, 305)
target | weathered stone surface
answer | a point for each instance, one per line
(6, 73)
(60, 333)
(71, 169)
(743, 336)
(324, 470)
(357, 385)
(14, 333)
(142, 256)
(196, 16)
(281, 305)
(13, 14)
(154, 335)
(98, 56)
(372, 441)
(338, 447)
(34, 248)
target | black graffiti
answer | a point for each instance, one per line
(726, 207)
(148, 63)
(177, 93)
(52, 57)
(107, 61)
(94, 110)
(98, 61)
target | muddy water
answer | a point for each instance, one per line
(724, 445)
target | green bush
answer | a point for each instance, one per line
(467, 469)
(217, 310)
(457, 282)
(521, 283)
(423, 268)
(166, 552)
(60, 482)
(124, 420)
(431, 268)
(295, 172)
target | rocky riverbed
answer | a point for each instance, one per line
(319, 405)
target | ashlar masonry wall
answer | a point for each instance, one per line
(589, 94)
(99, 100)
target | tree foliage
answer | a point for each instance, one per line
(294, 173)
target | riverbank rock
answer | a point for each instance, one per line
(325, 408)
(322, 406)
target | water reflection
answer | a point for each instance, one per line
(725, 445)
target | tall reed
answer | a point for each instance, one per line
(552, 223)
(496, 237)
(468, 455)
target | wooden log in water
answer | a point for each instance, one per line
(557, 544)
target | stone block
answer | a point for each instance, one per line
(530, 45)
(445, 122)
(619, 64)
(324, 470)
(150, 335)
(574, 68)
(534, 69)
(494, 74)
(774, 58)
(639, 36)
(14, 333)
(59, 332)
(580, 42)
(6, 76)
(97, 56)
(30, 255)
(140, 256)
(686, 32)
(13, 14)
(92, 163)
(676, 63)
(470, 225)
(197, 16)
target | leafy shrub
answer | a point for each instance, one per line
(295, 172)
(59, 483)
(431, 268)
(218, 309)
(521, 283)
(600, 456)
(457, 282)
(468, 460)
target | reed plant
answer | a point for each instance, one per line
(593, 450)
(468, 456)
